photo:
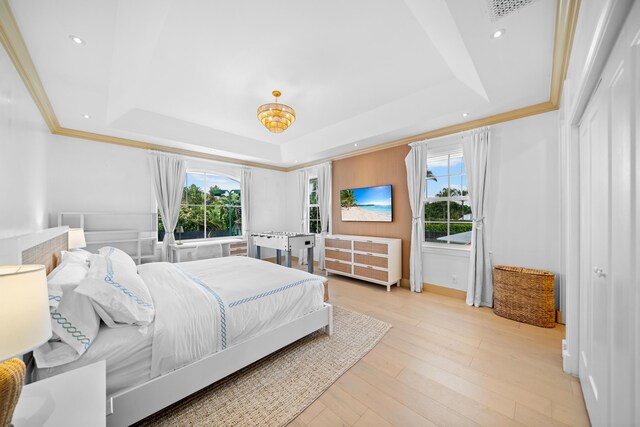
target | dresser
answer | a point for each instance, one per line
(374, 259)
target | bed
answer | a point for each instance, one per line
(212, 318)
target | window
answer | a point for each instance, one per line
(447, 214)
(315, 226)
(210, 207)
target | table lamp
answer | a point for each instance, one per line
(24, 316)
(76, 238)
(180, 230)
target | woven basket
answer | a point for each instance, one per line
(12, 373)
(524, 295)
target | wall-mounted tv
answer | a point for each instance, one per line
(369, 204)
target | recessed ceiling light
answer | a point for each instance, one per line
(465, 114)
(86, 116)
(355, 145)
(296, 161)
(76, 39)
(498, 33)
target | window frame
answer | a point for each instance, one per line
(448, 152)
(204, 205)
(311, 206)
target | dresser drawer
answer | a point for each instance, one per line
(376, 261)
(238, 245)
(340, 244)
(371, 273)
(338, 266)
(376, 248)
(333, 254)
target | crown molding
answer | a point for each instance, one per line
(13, 42)
(519, 113)
(566, 22)
(73, 133)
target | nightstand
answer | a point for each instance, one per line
(75, 398)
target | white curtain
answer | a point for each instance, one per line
(475, 150)
(303, 192)
(416, 163)
(168, 175)
(324, 203)
(245, 202)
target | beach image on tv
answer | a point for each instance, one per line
(366, 204)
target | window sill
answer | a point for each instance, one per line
(462, 251)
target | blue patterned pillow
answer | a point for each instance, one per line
(119, 294)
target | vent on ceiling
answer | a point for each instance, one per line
(501, 8)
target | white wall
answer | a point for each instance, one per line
(523, 213)
(24, 141)
(97, 177)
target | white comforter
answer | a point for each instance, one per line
(209, 305)
(201, 307)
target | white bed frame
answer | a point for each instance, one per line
(138, 402)
(135, 403)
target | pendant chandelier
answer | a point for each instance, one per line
(276, 117)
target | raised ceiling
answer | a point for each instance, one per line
(190, 74)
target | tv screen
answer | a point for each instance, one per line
(369, 204)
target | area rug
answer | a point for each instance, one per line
(276, 389)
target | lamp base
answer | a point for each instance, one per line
(12, 374)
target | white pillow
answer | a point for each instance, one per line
(75, 323)
(71, 271)
(118, 255)
(76, 254)
(121, 294)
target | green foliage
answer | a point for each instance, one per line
(222, 215)
(347, 199)
(446, 210)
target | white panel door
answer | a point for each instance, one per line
(596, 290)
(609, 282)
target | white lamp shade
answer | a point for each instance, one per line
(76, 238)
(24, 309)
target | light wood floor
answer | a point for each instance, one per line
(443, 363)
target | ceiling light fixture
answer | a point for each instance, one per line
(76, 39)
(276, 117)
(465, 114)
(355, 145)
(86, 116)
(498, 33)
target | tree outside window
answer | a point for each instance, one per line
(315, 226)
(210, 207)
(447, 213)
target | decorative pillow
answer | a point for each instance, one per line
(75, 323)
(70, 272)
(118, 255)
(121, 294)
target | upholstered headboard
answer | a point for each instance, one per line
(43, 247)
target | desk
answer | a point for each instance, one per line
(229, 247)
(74, 398)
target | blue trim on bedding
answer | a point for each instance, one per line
(71, 330)
(203, 285)
(273, 291)
(55, 298)
(128, 292)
